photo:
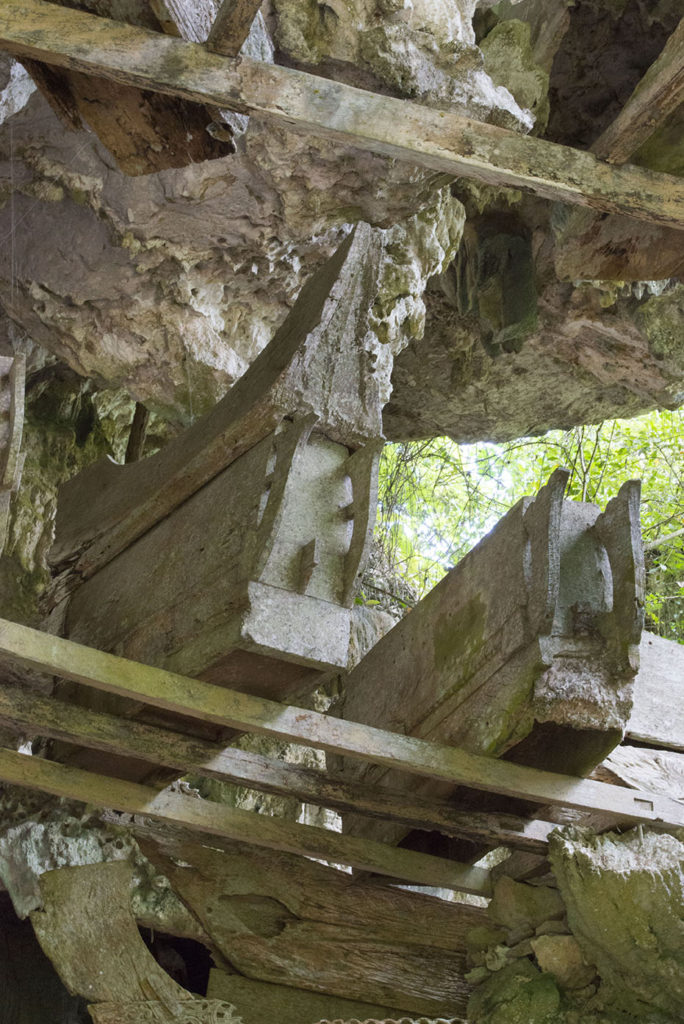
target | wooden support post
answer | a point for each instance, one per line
(196, 699)
(436, 139)
(232, 25)
(242, 826)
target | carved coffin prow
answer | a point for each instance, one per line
(527, 649)
(233, 554)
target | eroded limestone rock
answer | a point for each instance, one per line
(624, 896)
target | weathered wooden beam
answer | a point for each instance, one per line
(658, 710)
(196, 699)
(617, 248)
(144, 132)
(292, 922)
(87, 929)
(242, 826)
(660, 771)
(44, 716)
(103, 510)
(232, 25)
(658, 94)
(496, 658)
(436, 139)
(258, 1001)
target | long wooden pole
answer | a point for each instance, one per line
(238, 825)
(436, 139)
(244, 712)
(45, 716)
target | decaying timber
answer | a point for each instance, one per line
(146, 133)
(436, 139)
(299, 924)
(234, 553)
(193, 698)
(12, 383)
(87, 929)
(527, 648)
(260, 1001)
(616, 248)
(658, 713)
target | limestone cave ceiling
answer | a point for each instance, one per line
(161, 262)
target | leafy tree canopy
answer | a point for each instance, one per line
(438, 498)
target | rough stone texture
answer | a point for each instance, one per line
(515, 904)
(40, 834)
(167, 285)
(518, 994)
(624, 895)
(423, 49)
(561, 956)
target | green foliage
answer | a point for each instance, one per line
(437, 498)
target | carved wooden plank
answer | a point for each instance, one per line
(436, 139)
(245, 826)
(658, 94)
(658, 712)
(522, 650)
(106, 507)
(313, 929)
(196, 699)
(152, 745)
(232, 25)
(87, 929)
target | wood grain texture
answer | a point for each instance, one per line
(196, 699)
(658, 712)
(435, 139)
(30, 713)
(310, 366)
(616, 248)
(246, 826)
(306, 926)
(658, 94)
(87, 929)
(232, 25)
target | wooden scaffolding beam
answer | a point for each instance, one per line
(57, 719)
(238, 825)
(435, 139)
(196, 699)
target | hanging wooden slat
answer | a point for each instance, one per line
(196, 699)
(435, 139)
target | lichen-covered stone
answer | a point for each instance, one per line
(516, 904)
(625, 900)
(518, 994)
(509, 58)
(561, 956)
